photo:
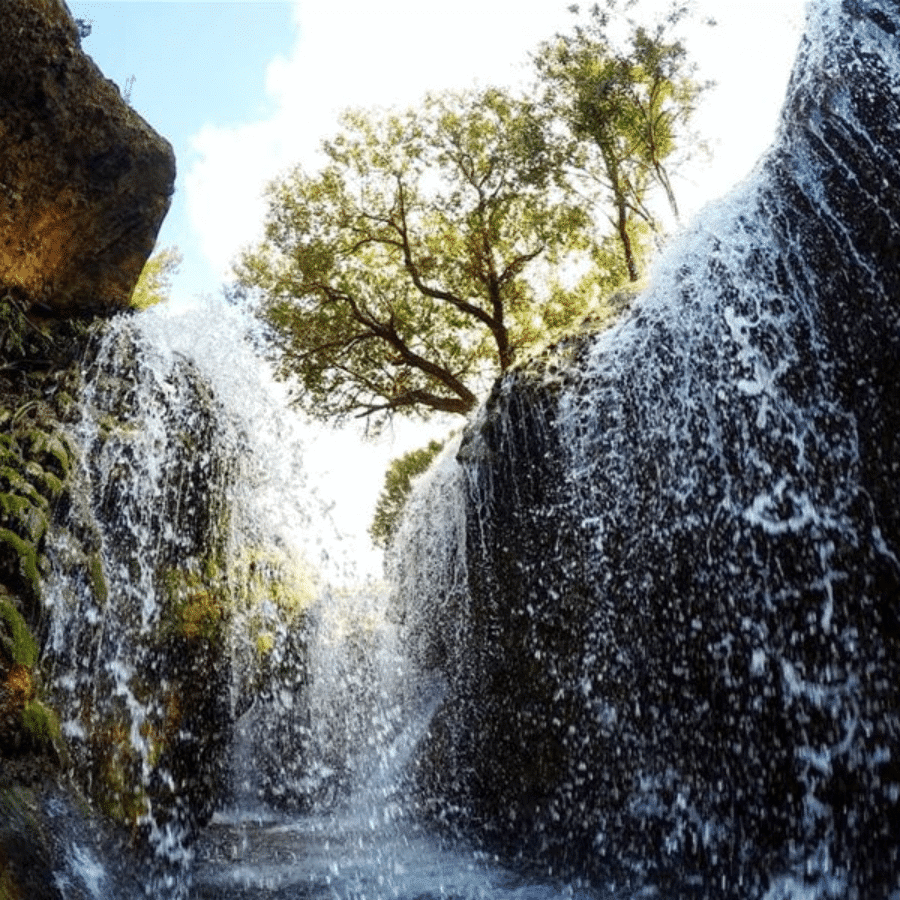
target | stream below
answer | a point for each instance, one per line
(351, 857)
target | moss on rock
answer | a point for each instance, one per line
(195, 607)
(41, 723)
(17, 641)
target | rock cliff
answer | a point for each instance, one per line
(678, 659)
(84, 181)
(84, 186)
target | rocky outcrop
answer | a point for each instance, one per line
(679, 658)
(84, 181)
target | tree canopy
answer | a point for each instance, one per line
(628, 105)
(436, 244)
(421, 258)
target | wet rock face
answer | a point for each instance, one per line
(136, 604)
(84, 181)
(682, 652)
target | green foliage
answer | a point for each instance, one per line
(16, 640)
(421, 259)
(195, 605)
(438, 244)
(397, 486)
(627, 106)
(155, 281)
(42, 723)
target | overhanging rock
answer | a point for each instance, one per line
(84, 182)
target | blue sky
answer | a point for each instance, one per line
(185, 65)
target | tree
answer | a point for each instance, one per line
(421, 259)
(155, 281)
(629, 107)
(397, 487)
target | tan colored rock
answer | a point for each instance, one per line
(84, 182)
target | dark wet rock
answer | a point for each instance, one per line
(679, 657)
(51, 844)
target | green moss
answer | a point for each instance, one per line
(50, 485)
(29, 520)
(8, 890)
(13, 505)
(51, 449)
(212, 571)
(17, 806)
(19, 484)
(27, 407)
(119, 797)
(42, 724)
(98, 579)
(194, 606)
(64, 403)
(20, 645)
(28, 558)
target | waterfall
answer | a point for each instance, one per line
(209, 657)
(228, 698)
(181, 578)
(132, 609)
(641, 636)
(677, 656)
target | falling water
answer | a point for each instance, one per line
(675, 654)
(216, 660)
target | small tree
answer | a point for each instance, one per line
(629, 109)
(155, 281)
(397, 278)
(397, 487)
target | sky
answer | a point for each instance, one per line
(243, 90)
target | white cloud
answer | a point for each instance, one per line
(354, 53)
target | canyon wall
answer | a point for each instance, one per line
(677, 659)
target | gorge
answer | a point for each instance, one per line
(641, 634)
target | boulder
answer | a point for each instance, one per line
(678, 660)
(84, 181)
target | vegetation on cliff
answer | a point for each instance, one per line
(398, 482)
(155, 282)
